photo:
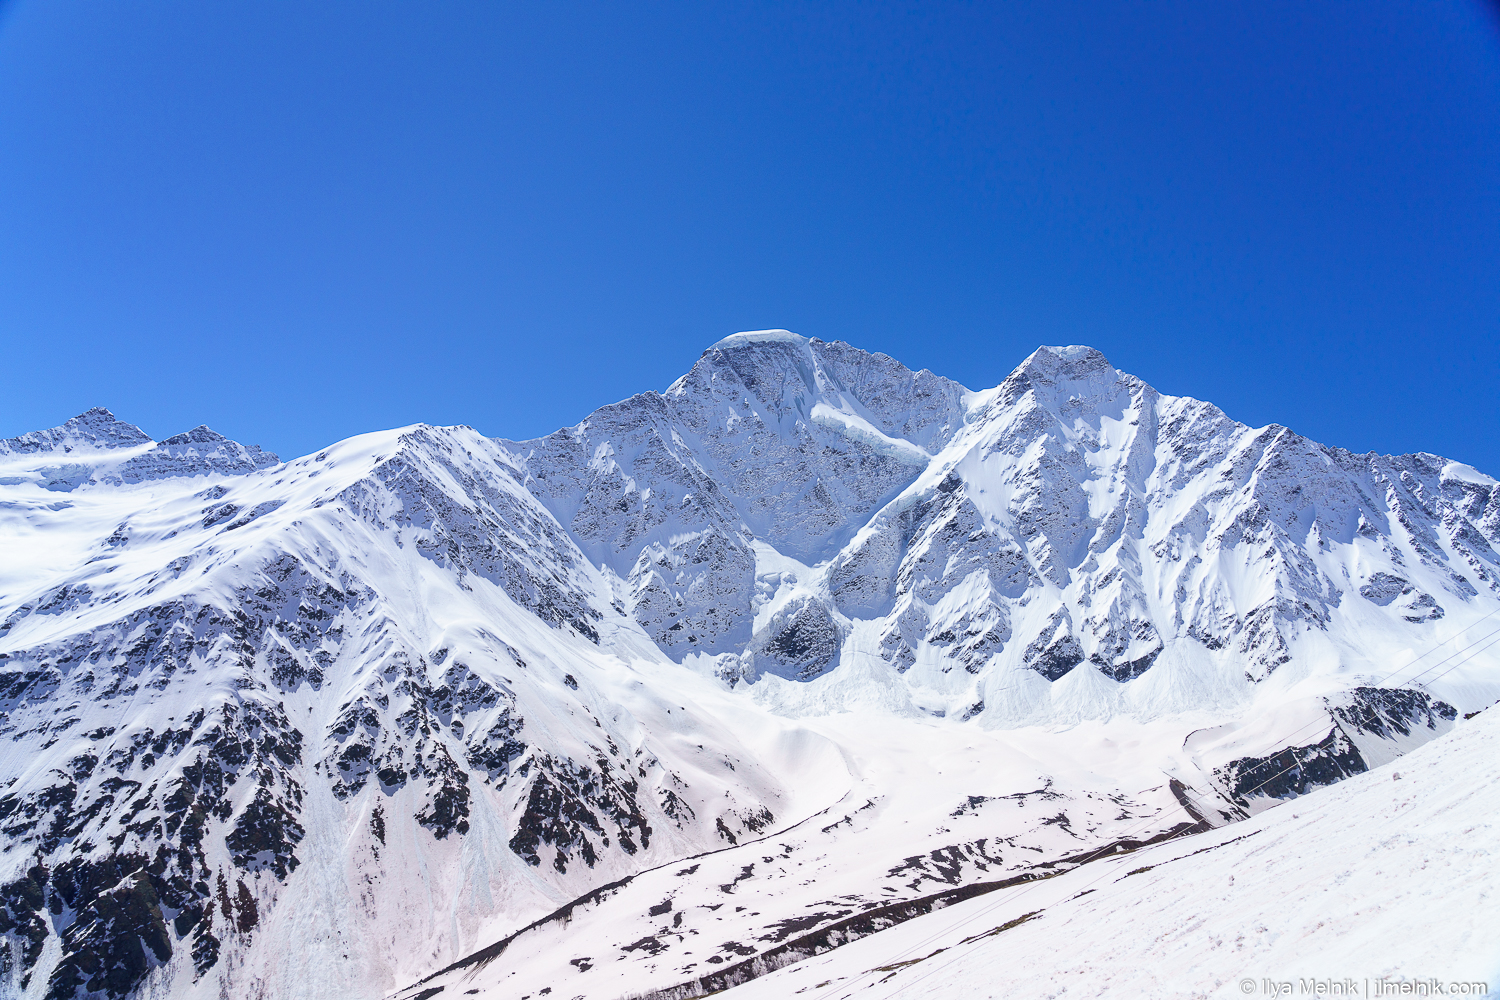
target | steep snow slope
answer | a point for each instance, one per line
(286, 699)
(1389, 876)
(807, 642)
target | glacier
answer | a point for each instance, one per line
(803, 647)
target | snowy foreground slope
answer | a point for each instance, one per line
(806, 646)
(1389, 876)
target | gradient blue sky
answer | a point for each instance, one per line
(298, 222)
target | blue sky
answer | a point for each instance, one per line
(298, 222)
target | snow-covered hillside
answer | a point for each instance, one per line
(805, 644)
(1387, 879)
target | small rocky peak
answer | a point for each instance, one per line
(92, 429)
(200, 435)
(199, 451)
(1060, 376)
(1075, 363)
(102, 429)
(96, 416)
(205, 442)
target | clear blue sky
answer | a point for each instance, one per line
(300, 221)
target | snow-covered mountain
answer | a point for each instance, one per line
(801, 647)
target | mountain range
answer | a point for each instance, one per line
(803, 647)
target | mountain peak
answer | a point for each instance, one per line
(102, 423)
(1071, 362)
(1058, 374)
(95, 428)
(195, 452)
(749, 337)
(202, 434)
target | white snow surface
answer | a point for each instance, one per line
(1389, 877)
(805, 637)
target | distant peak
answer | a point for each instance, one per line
(96, 428)
(202, 434)
(204, 441)
(104, 428)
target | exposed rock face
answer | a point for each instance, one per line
(425, 672)
(800, 642)
(1376, 717)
